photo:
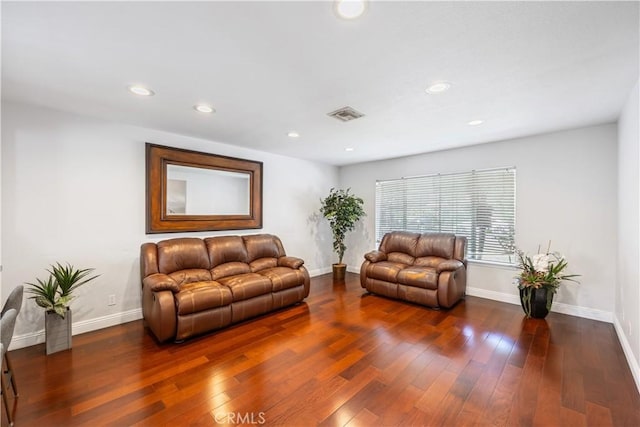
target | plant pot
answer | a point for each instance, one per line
(536, 302)
(57, 331)
(339, 272)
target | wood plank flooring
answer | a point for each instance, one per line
(339, 359)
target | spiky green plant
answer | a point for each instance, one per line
(342, 210)
(70, 278)
(55, 292)
(45, 294)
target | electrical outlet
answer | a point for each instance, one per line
(112, 300)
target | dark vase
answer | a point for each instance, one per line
(339, 271)
(534, 302)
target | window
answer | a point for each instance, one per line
(478, 204)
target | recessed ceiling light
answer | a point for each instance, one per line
(475, 122)
(293, 134)
(350, 9)
(438, 87)
(204, 108)
(349, 149)
(141, 90)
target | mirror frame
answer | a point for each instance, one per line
(158, 221)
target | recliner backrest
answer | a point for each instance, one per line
(400, 241)
(436, 244)
(263, 251)
(182, 254)
(223, 249)
(263, 246)
(228, 255)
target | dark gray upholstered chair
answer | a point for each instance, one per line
(7, 324)
(14, 302)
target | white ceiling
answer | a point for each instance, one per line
(271, 67)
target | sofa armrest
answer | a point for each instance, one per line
(375, 256)
(160, 282)
(449, 265)
(290, 261)
(159, 311)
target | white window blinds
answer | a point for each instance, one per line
(478, 204)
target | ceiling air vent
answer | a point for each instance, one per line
(346, 114)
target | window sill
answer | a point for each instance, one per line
(493, 264)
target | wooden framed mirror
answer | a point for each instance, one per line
(195, 191)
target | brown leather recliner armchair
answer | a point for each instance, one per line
(428, 269)
(191, 286)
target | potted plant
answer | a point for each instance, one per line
(54, 294)
(342, 210)
(539, 279)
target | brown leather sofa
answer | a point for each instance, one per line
(428, 269)
(191, 286)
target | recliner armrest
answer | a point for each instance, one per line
(449, 265)
(375, 256)
(160, 282)
(290, 261)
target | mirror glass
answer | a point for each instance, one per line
(202, 191)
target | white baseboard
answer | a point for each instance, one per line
(33, 338)
(558, 307)
(628, 352)
(493, 295)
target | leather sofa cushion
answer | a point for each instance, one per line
(384, 270)
(263, 246)
(229, 269)
(420, 277)
(248, 285)
(283, 277)
(436, 244)
(183, 277)
(263, 263)
(199, 296)
(428, 261)
(224, 249)
(182, 254)
(400, 241)
(400, 258)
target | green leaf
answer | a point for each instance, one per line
(342, 210)
(44, 291)
(61, 310)
(70, 278)
(54, 293)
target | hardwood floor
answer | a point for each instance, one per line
(340, 358)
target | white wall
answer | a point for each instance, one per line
(73, 189)
(627, 307)
(566, 193)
